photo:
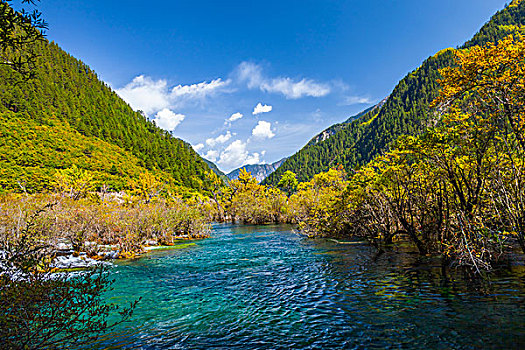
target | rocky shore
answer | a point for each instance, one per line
(66, 258)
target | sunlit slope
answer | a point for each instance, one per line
(66, 99)
(31, 152)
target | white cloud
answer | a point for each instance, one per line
(251, 74)
(199, 90)
(292, 89)
(235, 116)
(296, 89)
(211, 155)
(354, 100)
(144, 93)
(198, 147)
(219, 139)
(168, 120)
(236, 155)
(261, 109)
(263, 130)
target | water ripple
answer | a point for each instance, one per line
(267, 288)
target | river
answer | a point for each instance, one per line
(266, 287)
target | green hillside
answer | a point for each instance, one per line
(406, 111)
(67, 116)
(328, 132)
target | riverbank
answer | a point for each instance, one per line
(77, 233)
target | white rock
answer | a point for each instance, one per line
(72, 262)
(109, 255)
(64, 246)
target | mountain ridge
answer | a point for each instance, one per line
(331, 130)
(405, 111)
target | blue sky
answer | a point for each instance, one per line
(252, 81)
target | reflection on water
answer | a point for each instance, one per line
(266, 287)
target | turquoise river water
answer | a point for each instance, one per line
(265, 287)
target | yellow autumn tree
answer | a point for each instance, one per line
(74, 182)
(218, 191)
(314, 205)
(485, 90)
(488, 82)
(248, 199)
(147, 187)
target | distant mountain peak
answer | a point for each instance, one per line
(259, 171)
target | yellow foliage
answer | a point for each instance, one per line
(515, 3)
(74, 182)
(147, 187)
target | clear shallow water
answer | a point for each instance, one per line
(266, 287)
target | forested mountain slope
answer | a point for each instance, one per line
(216, 170)
(328, 132)
(67, 116)
(406, 111)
